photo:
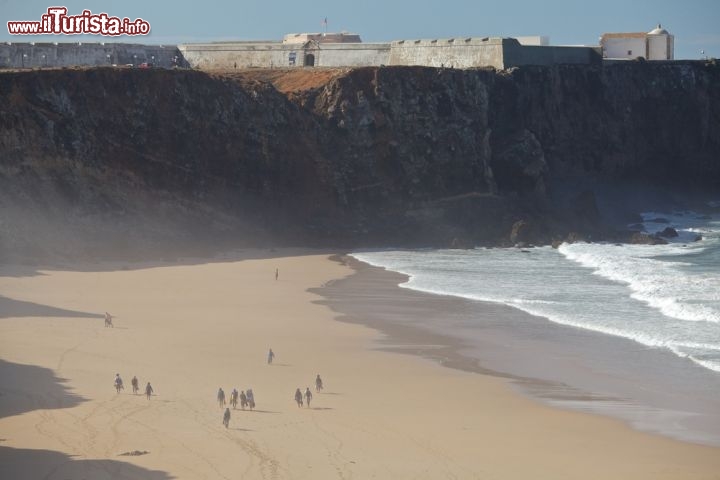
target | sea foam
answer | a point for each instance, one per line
(662, 296)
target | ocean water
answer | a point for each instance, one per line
(661, 296)
(632, 331)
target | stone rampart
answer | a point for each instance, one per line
(449, 52)
(276, 54)
(55, 54)
(470, 52)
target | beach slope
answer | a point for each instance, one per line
(190, 328)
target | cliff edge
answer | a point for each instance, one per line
(104, 162)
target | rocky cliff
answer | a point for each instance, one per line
(99, 161)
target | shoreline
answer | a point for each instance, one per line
(189, 328)
(570, 389)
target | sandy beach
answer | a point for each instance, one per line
(192, 327)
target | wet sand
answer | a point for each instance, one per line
(650, 389)
(191, 328)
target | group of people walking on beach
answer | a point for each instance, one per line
(299, 397)
(135, 386)
(308, 394)
(246, 398)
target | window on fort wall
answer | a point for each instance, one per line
(629, 52)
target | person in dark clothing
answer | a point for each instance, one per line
(226, 417)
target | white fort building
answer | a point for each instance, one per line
(297, 50)
(657, 44)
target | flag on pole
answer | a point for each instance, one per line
(324, 22)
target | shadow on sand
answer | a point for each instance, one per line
(147, 257)
(25, 388)
(18, 308)
(26, 463)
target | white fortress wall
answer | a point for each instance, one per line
(276, 54)
(52, 54)
(237, 54)
(352, 54)
(467, 52)
(448, 52)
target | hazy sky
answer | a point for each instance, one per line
(695, 23)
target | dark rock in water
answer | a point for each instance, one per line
(645, 239)
(556, 244)
(461, 243)
(520, 232)
(697, 238)
(574, 237)
(668, 232)
(659, 220)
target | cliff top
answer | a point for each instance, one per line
(284, 80)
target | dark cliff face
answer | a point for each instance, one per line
(369, 156)
(645, 120)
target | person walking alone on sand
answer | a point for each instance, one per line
(226, 417)
(135, 385)
(298, 397)
(148, 390)
(308, 396)
(318, 383)
(277, 273)
(271, 355)
(221, 397)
